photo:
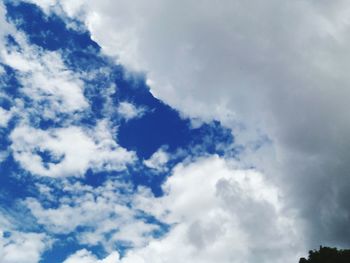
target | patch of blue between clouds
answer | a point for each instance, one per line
(67, 245)
(160, 126)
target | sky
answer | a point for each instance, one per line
(173, 131)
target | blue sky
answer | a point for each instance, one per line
(166, 132)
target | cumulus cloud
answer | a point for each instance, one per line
(219, 213)
(276, 67)
(69, 151)
(19, 247)
(216, 207)
(158, 160)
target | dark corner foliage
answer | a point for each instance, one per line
(327, 255)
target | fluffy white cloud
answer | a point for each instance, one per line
(45, 79)
(5, 116)
(17, 246)
(128, 111)
(158, 160)
(71, 151)
(221, 214)
(279, 67)
(21, 247)
(218, 214)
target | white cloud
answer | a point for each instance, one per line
(223, 214)
(17, 246)
(22, 247)
(5, 26)
(71, 149)
(128, 111)
(158, 160)
(280, 67)
(103, 213)
(84, 256)
(46, 79)
(5, 116)
(219, 214)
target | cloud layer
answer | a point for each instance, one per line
(218, 213)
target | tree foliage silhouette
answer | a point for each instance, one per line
(327, 255)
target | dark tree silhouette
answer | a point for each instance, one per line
(327, 255)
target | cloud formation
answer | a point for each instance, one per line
(279, 68)
(275, 73)
(218, 213)
(69, 151)
(45, 79)
(18, 247)
(128, 111)
(84, 256)
(158, 160)
(98, 216)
